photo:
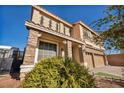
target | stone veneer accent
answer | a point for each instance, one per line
(31, 46)
(29, 57)
(69, 49)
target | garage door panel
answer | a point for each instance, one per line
(89, 60)
(99, 61)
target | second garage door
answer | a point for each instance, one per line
(99, 60)
(89, 60)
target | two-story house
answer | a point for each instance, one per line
(51, 36)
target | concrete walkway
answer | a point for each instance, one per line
(114, 70)
(8, 82)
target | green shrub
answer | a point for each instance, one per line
(57, 72)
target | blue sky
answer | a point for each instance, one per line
(12, 19)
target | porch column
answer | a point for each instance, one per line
(82, 55)
(105, 60)
(32, 43)
(93, 60)
(29, 56)
(68, 48)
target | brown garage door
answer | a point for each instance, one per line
(89, 60)
(99, 60)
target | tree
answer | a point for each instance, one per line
(113, 24)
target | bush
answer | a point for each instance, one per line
(57, 72)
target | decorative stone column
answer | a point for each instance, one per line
(68, 48)
(82, 55)
(105, 60)
(29, 56)
(93, 60)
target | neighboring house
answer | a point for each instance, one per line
(51, 36)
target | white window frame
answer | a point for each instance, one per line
(37, 49)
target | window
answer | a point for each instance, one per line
(64, 29)
(41, 21)
(87, 35)
(50, 23)
(57, 26)
(47, 50)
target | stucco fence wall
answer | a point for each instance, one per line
(116, 59)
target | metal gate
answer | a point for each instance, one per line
(5, 61)
(5, 64)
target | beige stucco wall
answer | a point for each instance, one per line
(94, 51)
(116, 59)
(36, 16)
(76, 31)
(76, 55)
(62, 27)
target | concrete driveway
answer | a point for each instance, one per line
(114, 70)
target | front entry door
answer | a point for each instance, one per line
(47, 50)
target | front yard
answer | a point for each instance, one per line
(101, 82)
(105, 80)
(102, 79)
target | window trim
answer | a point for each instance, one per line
(47, 41)
(41, 20)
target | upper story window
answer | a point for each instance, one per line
(64, 29)
(87, 34)
(50, 23)
(54, 25)
(57, 26)
(67, 31)
(41, 20)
